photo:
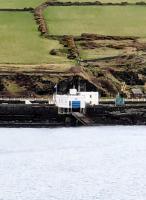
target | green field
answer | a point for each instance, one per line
(20, 41)
(19, 3)
(106, 20)
(34, 3)
(99, 53)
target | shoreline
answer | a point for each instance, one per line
(43, 116)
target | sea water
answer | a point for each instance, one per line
(99, 163)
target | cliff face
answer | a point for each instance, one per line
(30, 85)
(104, 76)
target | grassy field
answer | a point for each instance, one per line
(106, 20)
(34, 3)
(99, 53)
(19, 3)
(20, 41)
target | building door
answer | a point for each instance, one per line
(76, 105)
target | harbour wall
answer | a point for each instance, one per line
(21, 115)
(44, 115)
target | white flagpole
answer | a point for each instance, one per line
(56, 89)
(55, 95)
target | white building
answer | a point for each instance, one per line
(76, 101)
(91, 98)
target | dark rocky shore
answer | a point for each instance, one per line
(114, 115)
(19, 115)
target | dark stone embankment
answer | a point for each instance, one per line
(21, 115)
(118, 115)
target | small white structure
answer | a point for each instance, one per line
(27, 102)
(91, 98)
(73, 92)
(76, 101)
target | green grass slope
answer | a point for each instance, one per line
(20, 41)
(34, 3)
(106, 20)
(19, 3)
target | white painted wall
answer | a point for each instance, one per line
(62, 101)
(91, 98)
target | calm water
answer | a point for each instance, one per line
(102, 163)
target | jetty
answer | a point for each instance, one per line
(83, 119)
